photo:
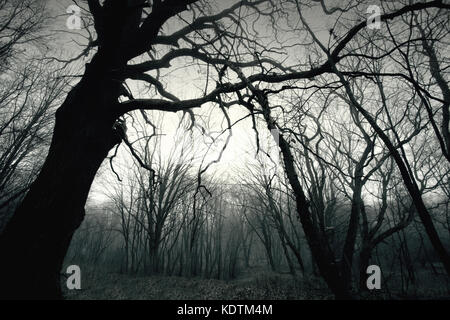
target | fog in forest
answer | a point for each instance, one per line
(250, 150)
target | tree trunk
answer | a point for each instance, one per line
(35, 241)
(288, 258)
(320, 250)
(408, 179)
(350, 240)
(154, 258)
(364, 259)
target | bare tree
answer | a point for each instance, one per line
(134, 42)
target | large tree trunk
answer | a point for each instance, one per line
(35, 241)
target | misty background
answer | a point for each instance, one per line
(200, 204)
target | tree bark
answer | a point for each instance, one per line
(35, 241)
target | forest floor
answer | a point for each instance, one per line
(248, 286)
(254, 284)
